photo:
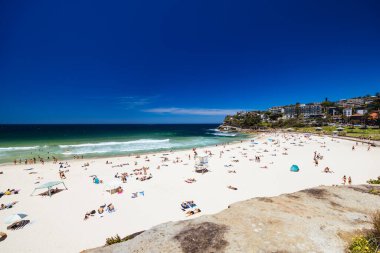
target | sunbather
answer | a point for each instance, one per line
(189, 213)
(101, 209)
(110, 208)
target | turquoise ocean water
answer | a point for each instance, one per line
(67, 141)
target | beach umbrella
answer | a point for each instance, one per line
(14, 217)
(294, 168)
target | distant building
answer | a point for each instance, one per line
(352, 102)
(305, 110)
(361, 111)
(333, 111)
(369, 100)
(290, 111)
(347, 112)
(311, 110)
(277, 109)
(374, 115)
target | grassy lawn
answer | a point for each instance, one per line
(349, 132)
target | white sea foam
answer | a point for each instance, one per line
(85, 152)
(18, 148)
(141, 141)
(224, 134)
(116, 147)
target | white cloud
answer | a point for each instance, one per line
(135, 101)
(193, 111)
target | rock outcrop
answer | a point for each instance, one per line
(321, 219)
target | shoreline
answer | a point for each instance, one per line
(142, 153)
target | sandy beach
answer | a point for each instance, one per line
(57, 223)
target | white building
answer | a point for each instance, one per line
(347, 112)
(277, 109)
(361, 111)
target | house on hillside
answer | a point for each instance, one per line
(347, 111)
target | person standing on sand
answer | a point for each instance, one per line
(353, 148)
(349, 180)
(344, 180)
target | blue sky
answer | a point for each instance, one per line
(180, 61)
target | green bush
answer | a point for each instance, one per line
(370, 242)
(113, 240)
(374, 191)
(360, 244)
(117, 239)
(374, 181)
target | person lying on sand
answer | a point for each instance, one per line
(184, 205)
(119, 190)
(101, 209)
(88, 214)
(10, 192)
(110, 208)
(62, 174)
(232, 171)
(232, 188)
(327, 170)
(10, 205)
(189, 213)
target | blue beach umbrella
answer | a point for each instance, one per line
(294, 168)
(14, 217)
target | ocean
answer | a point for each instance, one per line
(66, 141)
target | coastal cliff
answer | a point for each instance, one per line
(322, 219)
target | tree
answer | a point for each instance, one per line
(326, 104)
(275, 116)
(298, 110)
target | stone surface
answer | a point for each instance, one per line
(321, 219)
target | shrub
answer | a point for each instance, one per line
(376, 225)
(374, 191)
(374, 181)
(369, 243)
(112, 240)
(360, 244)
(117, 239)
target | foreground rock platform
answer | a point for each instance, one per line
(322, 219)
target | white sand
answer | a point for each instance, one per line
(57, 223)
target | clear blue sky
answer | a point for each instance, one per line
(180, 61)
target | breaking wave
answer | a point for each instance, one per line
(18, 148)
(116, 147)
(224, 134)
(114, 143)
